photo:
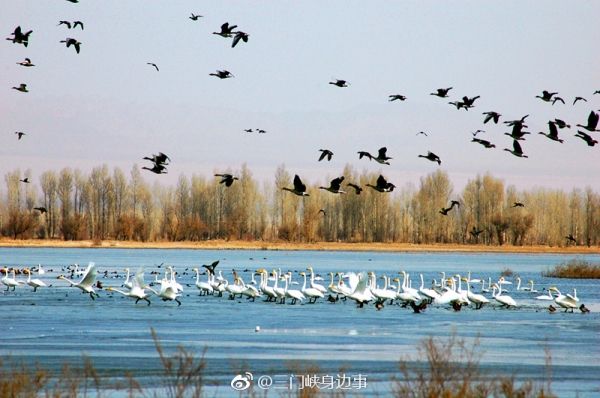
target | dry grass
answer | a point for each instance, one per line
(574, 269)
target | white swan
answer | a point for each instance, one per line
(9, 282)
(136, 291)
(530, 287)
(405, 297)
(166, 293)
(545, 296)
(127, 282)
(204, 288)
(506, 301)
(264, 287)
(310, 292)
(448, 294)
(478, 299)
(383, 293)
(34, 283)
(362, 293)
(429, 293)
(567, 302)
(314, 285)
(86, 283)
(293, 294)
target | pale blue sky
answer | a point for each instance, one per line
(106, 105)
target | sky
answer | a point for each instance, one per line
(107, 106)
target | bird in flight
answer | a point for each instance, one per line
(226, 179)
(156, 169)
(380, 158)
(442, 92)
(357, 188)
(226, 30)
(579, 99)
(67, 23)
(248, 130)
(518, 204)
(592, 122)
(73, 1)
(211, 267)
(517, 132)
(556, 99)
(22, 88)
(422, 133)
(239, 36)
(161, 159)
(340, 83)
(382, 185)
(222, 74)
(475, 232)
(444, 210)
(469, 102)
(78, 23)
(491, 115)
(194, 17)
(517, 122)
(153, 64)
(517, 150)
(25, 180)
(586, 137)
(19, 134)
(553, 134)
(397, 97)
(432, 157)
(261, 131)
(474, 134)
(19, 37)
(26, 62)
(561, 124)
(335, 185)
(299, 187)
(41, 209)
(571, 238)
(546, 96)
(485, 143)
(325, 153)
(72, 42)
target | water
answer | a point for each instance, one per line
(59, 324)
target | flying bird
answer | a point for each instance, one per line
(517, 150)
(382, 185)
(546, 96)
(78, 23)
(357, 188)
(432, 157)
(556, 99)
(239, 36)
(517, 132)
(571, 238)
(422, 133)
(211, 267)
(444, 210)
(579, 99)
(25, 180)
(518, 204)
(299, 188)
(261, 131)
(380, 158)
(561, 124)
(19, 37)
(248, 130)
(26, 62)
(475, 232)
(22, 88)
(67, 23)
(335, 186)
(474, 134)
(586, 137)
(491, 115)
(73, 1)
(325, 153)
(41, 209)
(340, 83)
(442, 92)
(222, 74)
(397, 97)
(485, 143)
(469, 102)
(153, 64)
(553, 134)
(226, 179)
(19, 134)
(195, 17)
(161, 159)
(518, 122)
(226, 30)
(72, 42)
(592, 122)
(156, 169)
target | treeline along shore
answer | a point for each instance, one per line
(111, 208)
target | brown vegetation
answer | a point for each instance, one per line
(105, 205)
(574, 269)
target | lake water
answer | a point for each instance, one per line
(59, 324)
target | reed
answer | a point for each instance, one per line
(574, 269)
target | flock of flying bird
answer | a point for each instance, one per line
(517, 134)
(278, 287)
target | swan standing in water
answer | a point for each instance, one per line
(506, 301)
(136, 291)
(545, 296)
(362, 293)
(429, 293)
(478, 299)
(294, 294)
(128, 284)
(204, 287)
(34, 283)
(568, 302)
(310, 292)
(9, 282)
(86, 283)
(314, 285)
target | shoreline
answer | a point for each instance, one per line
(277, 246)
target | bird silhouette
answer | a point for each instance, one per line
(474, 134)
(25, 180)
(73, 1)
(325, 153)
(19, 37)
(518, 204)
(357, 188)
(22, 88)
(340, 83)
(322, 211)
(380, 158)
(222, 74)
(161, 159)
(211, 267)
(553, 134)
(156, 169)
(67, 23)
(41, 209)
(558, 99)
(26, 62)
(551, 308)
(72, 42)
(226, 30)
(570, 238)
(546, 96)
(579, 99)
(442, 92)
(335, 185)
(475, 232)
(248, 130)
(592, 122)
(299, 188)
(153, 64)
(382, 185)
(261, 131)
(469, 102)
(517, 132)
(397, 97)
(19, 134)
(517, 122)
(485, 143)
(195, 17)
(561, 124)
(422, 133)
(584, 309)
(491, 115)
(444, 210)
(459, 105)
(239, 36)
(517, 150)
(432, 157)
(586, 137)
(78, 23)
(226, 179)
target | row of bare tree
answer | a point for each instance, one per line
(105, 204)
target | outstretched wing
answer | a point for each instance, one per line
(298, 185)
(90, 275)
(517, 147)
(336, 183)
(382, 152)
